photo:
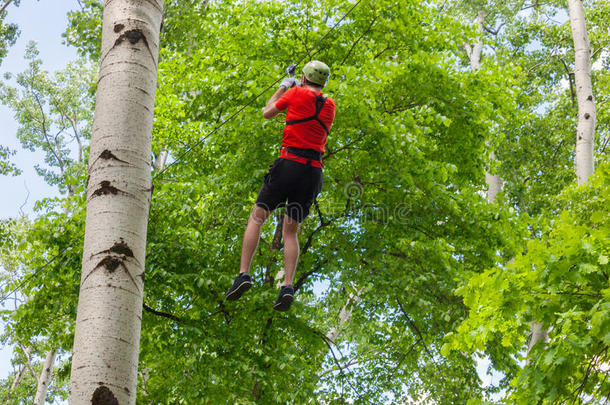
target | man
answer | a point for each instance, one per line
(295, 177)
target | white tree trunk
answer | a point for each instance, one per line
(345, 316)
(45, 378)
(538, 334)
(159, 162)
(107, 335)
(17, 379)
(494, 182)
(494, 186)
(474, 53)
(585, 130)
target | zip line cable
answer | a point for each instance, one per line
(39, 270)
(191, 147)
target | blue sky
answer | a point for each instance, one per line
(41, 21)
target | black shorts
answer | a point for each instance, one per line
(292, 182)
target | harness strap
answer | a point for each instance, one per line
(320, 100)
(300, 159)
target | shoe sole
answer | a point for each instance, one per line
(284, 303)
(238, 292)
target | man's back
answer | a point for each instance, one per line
(301, 104)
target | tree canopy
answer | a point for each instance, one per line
(402, 235)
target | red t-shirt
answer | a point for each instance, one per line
(301, 103)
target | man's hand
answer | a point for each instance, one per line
(289, 82)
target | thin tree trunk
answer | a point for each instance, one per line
(345, 316)
(474, 53)
(17, 379)
(538, 334)
(585, 129)
(45, 378)
(107, 335)
(159, 162)
(494, 182)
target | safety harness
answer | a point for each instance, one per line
(307, 156)
(302, 156)
(320, 100)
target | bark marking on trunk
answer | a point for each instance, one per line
(107, 155)
(103, 396)
(585, 129)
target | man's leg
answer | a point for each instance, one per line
(252, 236)
(291, 257)
(291, 248)
(243, 281)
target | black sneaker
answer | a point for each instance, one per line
(285, 299)
(242, 283)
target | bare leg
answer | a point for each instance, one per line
(252, 236)
(291, 248)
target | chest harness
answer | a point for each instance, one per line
(307, 156)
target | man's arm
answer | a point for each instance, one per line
(270, 109)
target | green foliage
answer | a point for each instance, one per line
(85, 28)
(561, 280)
(402, 223)
(23, 393)
(396, 217)
(6, 167)
(53, 113)
(41, 263)
(8, 33)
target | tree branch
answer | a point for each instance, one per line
(358, 40)
(17, 379)
(46, 135)
(29, 363)
(307, 51)
(161, 314)
(347, 146)
(493, 31)
(5, 5)
(332, 352)
(415, 329)
(594, 54)
(387, 48)
(305, 275)
(276, 243)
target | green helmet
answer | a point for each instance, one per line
(317, 72)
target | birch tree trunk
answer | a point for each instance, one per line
(474, 53)
(585, 129)
(494, 182)
(538, 333)
(345, 316)
(17, 379)
(107, 336)
(45, 378)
